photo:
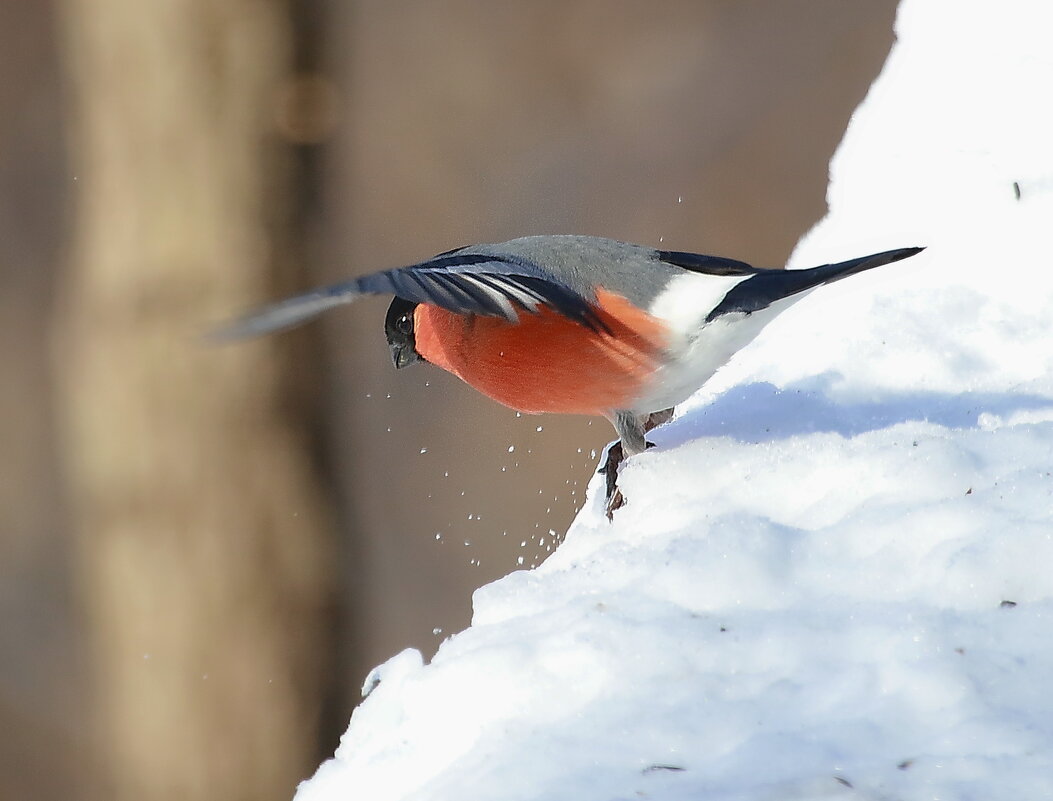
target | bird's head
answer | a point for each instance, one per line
(398, 327)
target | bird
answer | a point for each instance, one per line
(571, 324)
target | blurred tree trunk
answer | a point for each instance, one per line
(40, 691)
(203, 573)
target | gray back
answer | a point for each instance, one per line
(585, 262)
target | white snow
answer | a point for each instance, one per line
(809, 594)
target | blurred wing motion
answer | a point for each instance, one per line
(463, 283)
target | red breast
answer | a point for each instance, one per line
(545, 362)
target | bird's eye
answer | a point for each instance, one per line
(404, 324)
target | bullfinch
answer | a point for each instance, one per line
(573, 324)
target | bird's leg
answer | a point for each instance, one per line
(631, 430)
(631, 441)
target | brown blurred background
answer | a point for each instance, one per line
(202, 551)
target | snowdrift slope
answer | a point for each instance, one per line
(834, 576)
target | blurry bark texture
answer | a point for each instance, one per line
(40, 695)
(203, 579)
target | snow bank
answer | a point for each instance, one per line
(834, 576)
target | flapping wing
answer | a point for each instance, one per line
(464, 283)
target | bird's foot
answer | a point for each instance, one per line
(655, 419)
(614, 498)
(616, 455)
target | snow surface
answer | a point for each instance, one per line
(834, 576)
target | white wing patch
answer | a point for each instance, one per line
(503, 292)
(513, 288)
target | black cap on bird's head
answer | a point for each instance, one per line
(398, 327)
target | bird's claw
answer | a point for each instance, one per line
(614, 499)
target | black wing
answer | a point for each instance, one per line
(710, 265)
(464, 283)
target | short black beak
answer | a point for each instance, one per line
(403, 356)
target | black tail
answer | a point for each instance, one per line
(765, 288)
